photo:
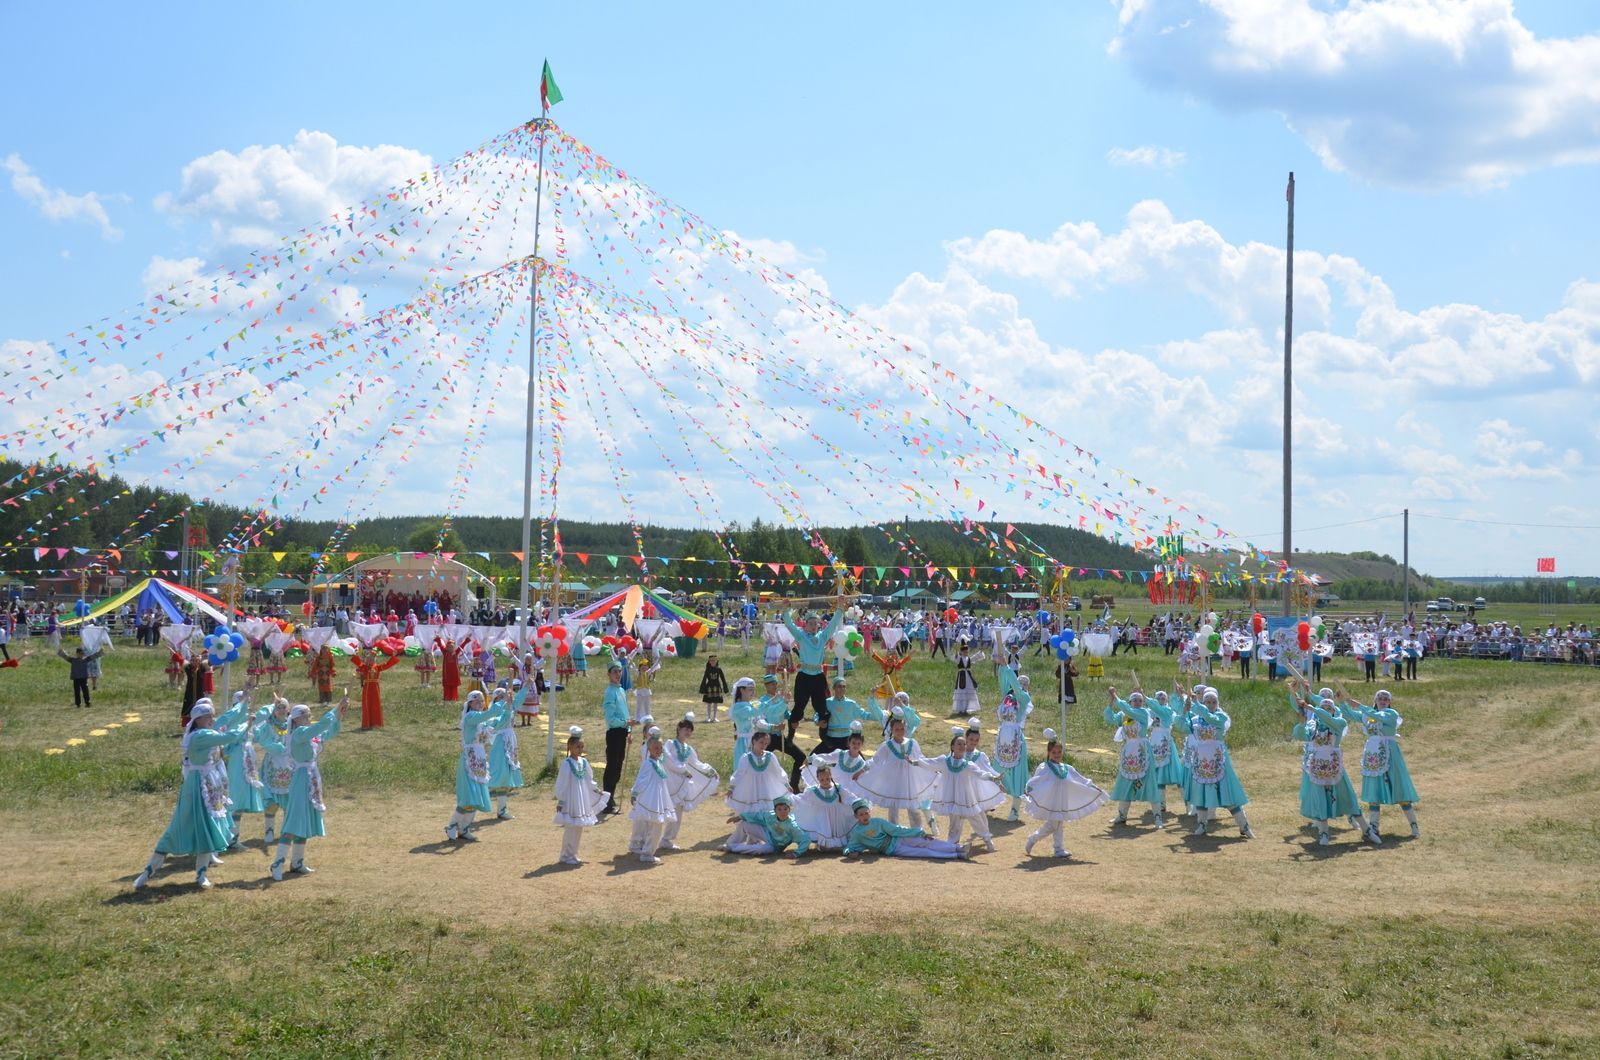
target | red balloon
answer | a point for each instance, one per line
(628, 643)
(950, 615)
(1304, 630)
(609, 641)
(559, 632)
(1258, 623)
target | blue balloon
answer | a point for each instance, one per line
(1044, 618)
(1062, 653)
(1068, 636)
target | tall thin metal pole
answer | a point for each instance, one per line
(1288, 402)
(1405, 559)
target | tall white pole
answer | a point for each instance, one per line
(541, 124)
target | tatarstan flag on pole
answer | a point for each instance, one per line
(548, 91)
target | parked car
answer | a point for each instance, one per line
(1074, 604)
(1433, 606)
(1480, 602)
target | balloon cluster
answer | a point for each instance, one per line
(591, 645)
(1064, 644)
(223, 645)
(551, 640)
(81, 608)
(619, 645)
(390, 645)
(1258, 623)
(1303, 635)
(1043, 618)
(854, 642)
(430, 607)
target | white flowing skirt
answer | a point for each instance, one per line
(689, 791)
(1052, 798)
(827, 823)
(966, 794)
(754, 789)
(895, 783)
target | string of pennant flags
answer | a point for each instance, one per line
(368, 346)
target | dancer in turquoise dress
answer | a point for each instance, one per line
(768, 831)
(304, 806)
(1166, 767)
(743, 713)
(1011, 740)
(1132, 722)
(1385, 780)
(1325, 788)
(505, 761)
(200, 824)
(245, 788)
(476, 731)
(1213, 784)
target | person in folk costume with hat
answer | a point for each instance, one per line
(476, 731)
(475, 671)
(1132, 723)
(713, 686)
(426, 665)
(505, 759)
(194, 670)
(1066, 688)
(200, 825)
(743, 712)
(847, 763)
(757, 779)
(965, 698)
(899, 777)
(245, 788)
(965, 791)
(369, 668)
(874, 835)
(823, 809)
(322, 673)
(841, 718)
(1011, 739)
(890, 664)
(277, 768)
(619, 730)
(579, 800)
(1166, 767)
(1058, 793)
(1385, 779)
(449, 668)
(644, 678)
(304, 805)
(768, 831)
(650, 801)
(691, 783)
(810, 686)
(1325, 788)
(1213, 783)
(975, 751)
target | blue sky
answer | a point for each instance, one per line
(921, 159)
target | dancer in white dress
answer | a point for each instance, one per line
(898, 778)
(579, 799)
(1056, 794)
(650, 801)
(756, 779)
(691, 786)
(823, 810)
(965, 791)
(847, 765)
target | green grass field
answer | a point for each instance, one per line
(1477, 939)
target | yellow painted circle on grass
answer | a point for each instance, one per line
(97, 732)
(55, 750)
(76, 741)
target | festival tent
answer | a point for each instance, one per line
(158, 594)
(408, 573)
(632, 600)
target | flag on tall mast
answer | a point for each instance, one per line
(549, 92)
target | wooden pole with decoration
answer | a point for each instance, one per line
(1061, 596)
(553, 664)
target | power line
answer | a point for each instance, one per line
(1329, 526)
(1497, 522)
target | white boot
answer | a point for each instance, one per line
(277, 863)
(299, 862)
(1161, 810)
(1322, 833)
(1244, 824)
(1122, 814)
(150, 869)
(1374, 817)
(1200, 817)
(271, 834)
(1027, 847)
(500, 809)
(201, 863)
(1411, 815)
(466, 825)
(1016, 809)
(452, 831)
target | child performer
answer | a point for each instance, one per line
(690, 784)
(476, 733)
(199, 823)
(579, 800)
(304, 807)
(1213, 784)
(650, 800)
(1166, 768)
(874, 835)
(1132, 722)
(965, 699)
(965, 791)
(757, 779)
(505, 760)
(245, 789)
(743, 713)
(644, 680)
(1011, 740)
(449, 668)
(847, 764)
(1385, 780)
(425, 665)
(768, 831)
(824, 809)
(898, 778)
(713, 686)
(1056, 794)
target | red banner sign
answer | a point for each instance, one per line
(1546, 565)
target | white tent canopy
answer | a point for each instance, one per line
(413, 572)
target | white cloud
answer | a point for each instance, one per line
(1146, 156)
(253, 197)
(56, 204)
(165, 273)
(1439, 350)
(1406, 92)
